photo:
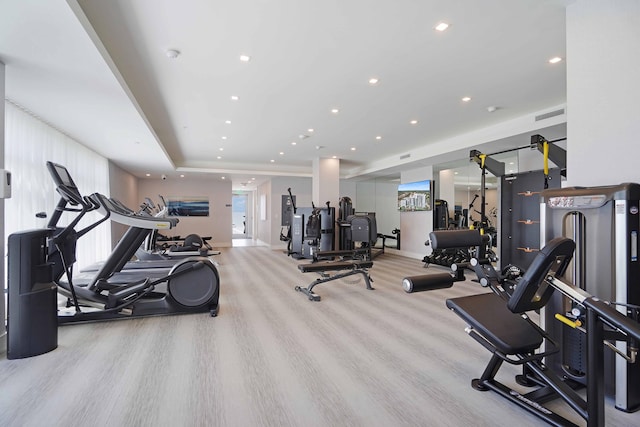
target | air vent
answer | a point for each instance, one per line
(405, 156)
(549, 115)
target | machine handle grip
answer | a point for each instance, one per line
(574, 324)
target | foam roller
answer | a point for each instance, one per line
(427, 282)
(455, 239)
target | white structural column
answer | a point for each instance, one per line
(603, 88)
(3, 331)
(326, 182)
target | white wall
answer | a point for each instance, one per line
(380, 197)
(124, 187)
(264, 217)
(326, 181)
(415, 226)
(603, 88)
(217, 224)
(3, 331)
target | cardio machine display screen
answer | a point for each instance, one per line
(63, 176)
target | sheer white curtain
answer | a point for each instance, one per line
(29, 143)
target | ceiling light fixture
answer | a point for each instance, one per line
(172, 53)
(272, 161)
(378, 137)
(441, 26)
(282, 153)
(228, 122)
(221, 149)
(335, 110)
(555, 60)
(414, 122)
(181, 175)
(353, 148)
(234, 97)
(492, 108)
(219, 157)
(148, 174)
(334, 157)
(373, 81)
(310, 130)
(224, 137)
(245, 58)
(294, 143)
(224, 177)
(466, 99)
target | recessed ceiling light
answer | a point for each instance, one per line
(293, 143)
(221, 149)
(353, 148)
(414, 122)
(253, 179)
(282, 153)
(456, 173)
(181, 175)
(272, 161)
(228, 122)
(335, 110)
(172, 53)
(310, 130)
(148, 174)
(442, 26)
(378, 137)
(373, 81)
(511, 163)
(466, 99)
(219, 157)
(234, 97)
(223, 177)
(555, 60)
(224, 137)
(245, 58)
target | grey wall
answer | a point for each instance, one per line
(217, 224)
(415, 226)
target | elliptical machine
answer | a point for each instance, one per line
(191, 286)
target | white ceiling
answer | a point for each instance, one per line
(99, 71)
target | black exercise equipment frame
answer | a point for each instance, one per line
(533, 292)
(353, 267)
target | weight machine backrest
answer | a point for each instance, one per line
(532, 291)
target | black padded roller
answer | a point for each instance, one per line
(427, 282)
(455, 239)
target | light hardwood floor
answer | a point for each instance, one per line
(273, 358)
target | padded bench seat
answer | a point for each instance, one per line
(488, 315)
(319, 267)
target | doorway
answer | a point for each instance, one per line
(239, 216)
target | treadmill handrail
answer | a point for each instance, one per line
(123, 217)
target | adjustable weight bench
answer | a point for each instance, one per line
(349, 268)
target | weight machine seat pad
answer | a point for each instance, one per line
(334, 266)
(488, 314)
